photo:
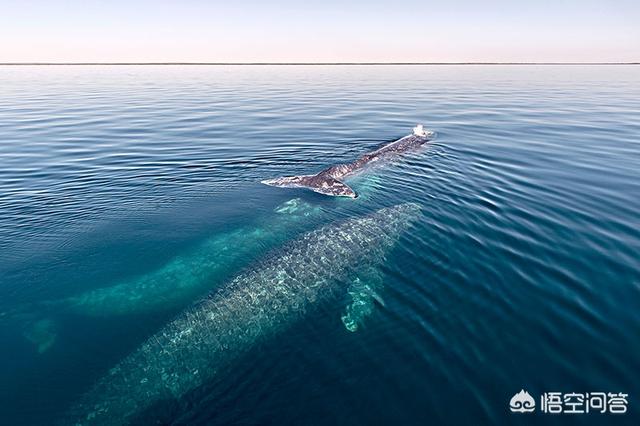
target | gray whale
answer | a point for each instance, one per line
(257, 304)
(328, 181)
(174, 285)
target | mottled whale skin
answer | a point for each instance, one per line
(257, 304)
(329, 181)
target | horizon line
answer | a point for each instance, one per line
(314, 63)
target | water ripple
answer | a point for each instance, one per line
(522, 272)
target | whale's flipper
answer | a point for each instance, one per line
(363, 297)
(321, 184)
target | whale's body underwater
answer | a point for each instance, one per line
(174, 285)
(258, 303)
(329, 181)
(186, 276)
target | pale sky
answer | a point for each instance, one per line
(319, 31)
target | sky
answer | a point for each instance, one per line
(320, 31)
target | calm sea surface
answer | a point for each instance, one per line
(127, 193)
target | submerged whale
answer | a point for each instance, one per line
(328, 181)
(188, 352)
(178, 282)
(192, 273)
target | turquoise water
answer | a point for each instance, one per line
(129, 193)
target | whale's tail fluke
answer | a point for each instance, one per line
(319, 183)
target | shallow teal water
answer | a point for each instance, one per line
(128, 193)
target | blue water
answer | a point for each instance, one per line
(129, 192)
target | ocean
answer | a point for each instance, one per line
(130, 193)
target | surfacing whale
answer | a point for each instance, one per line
(188, 352)
(329, 181)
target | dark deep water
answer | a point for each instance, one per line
(129, 192)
